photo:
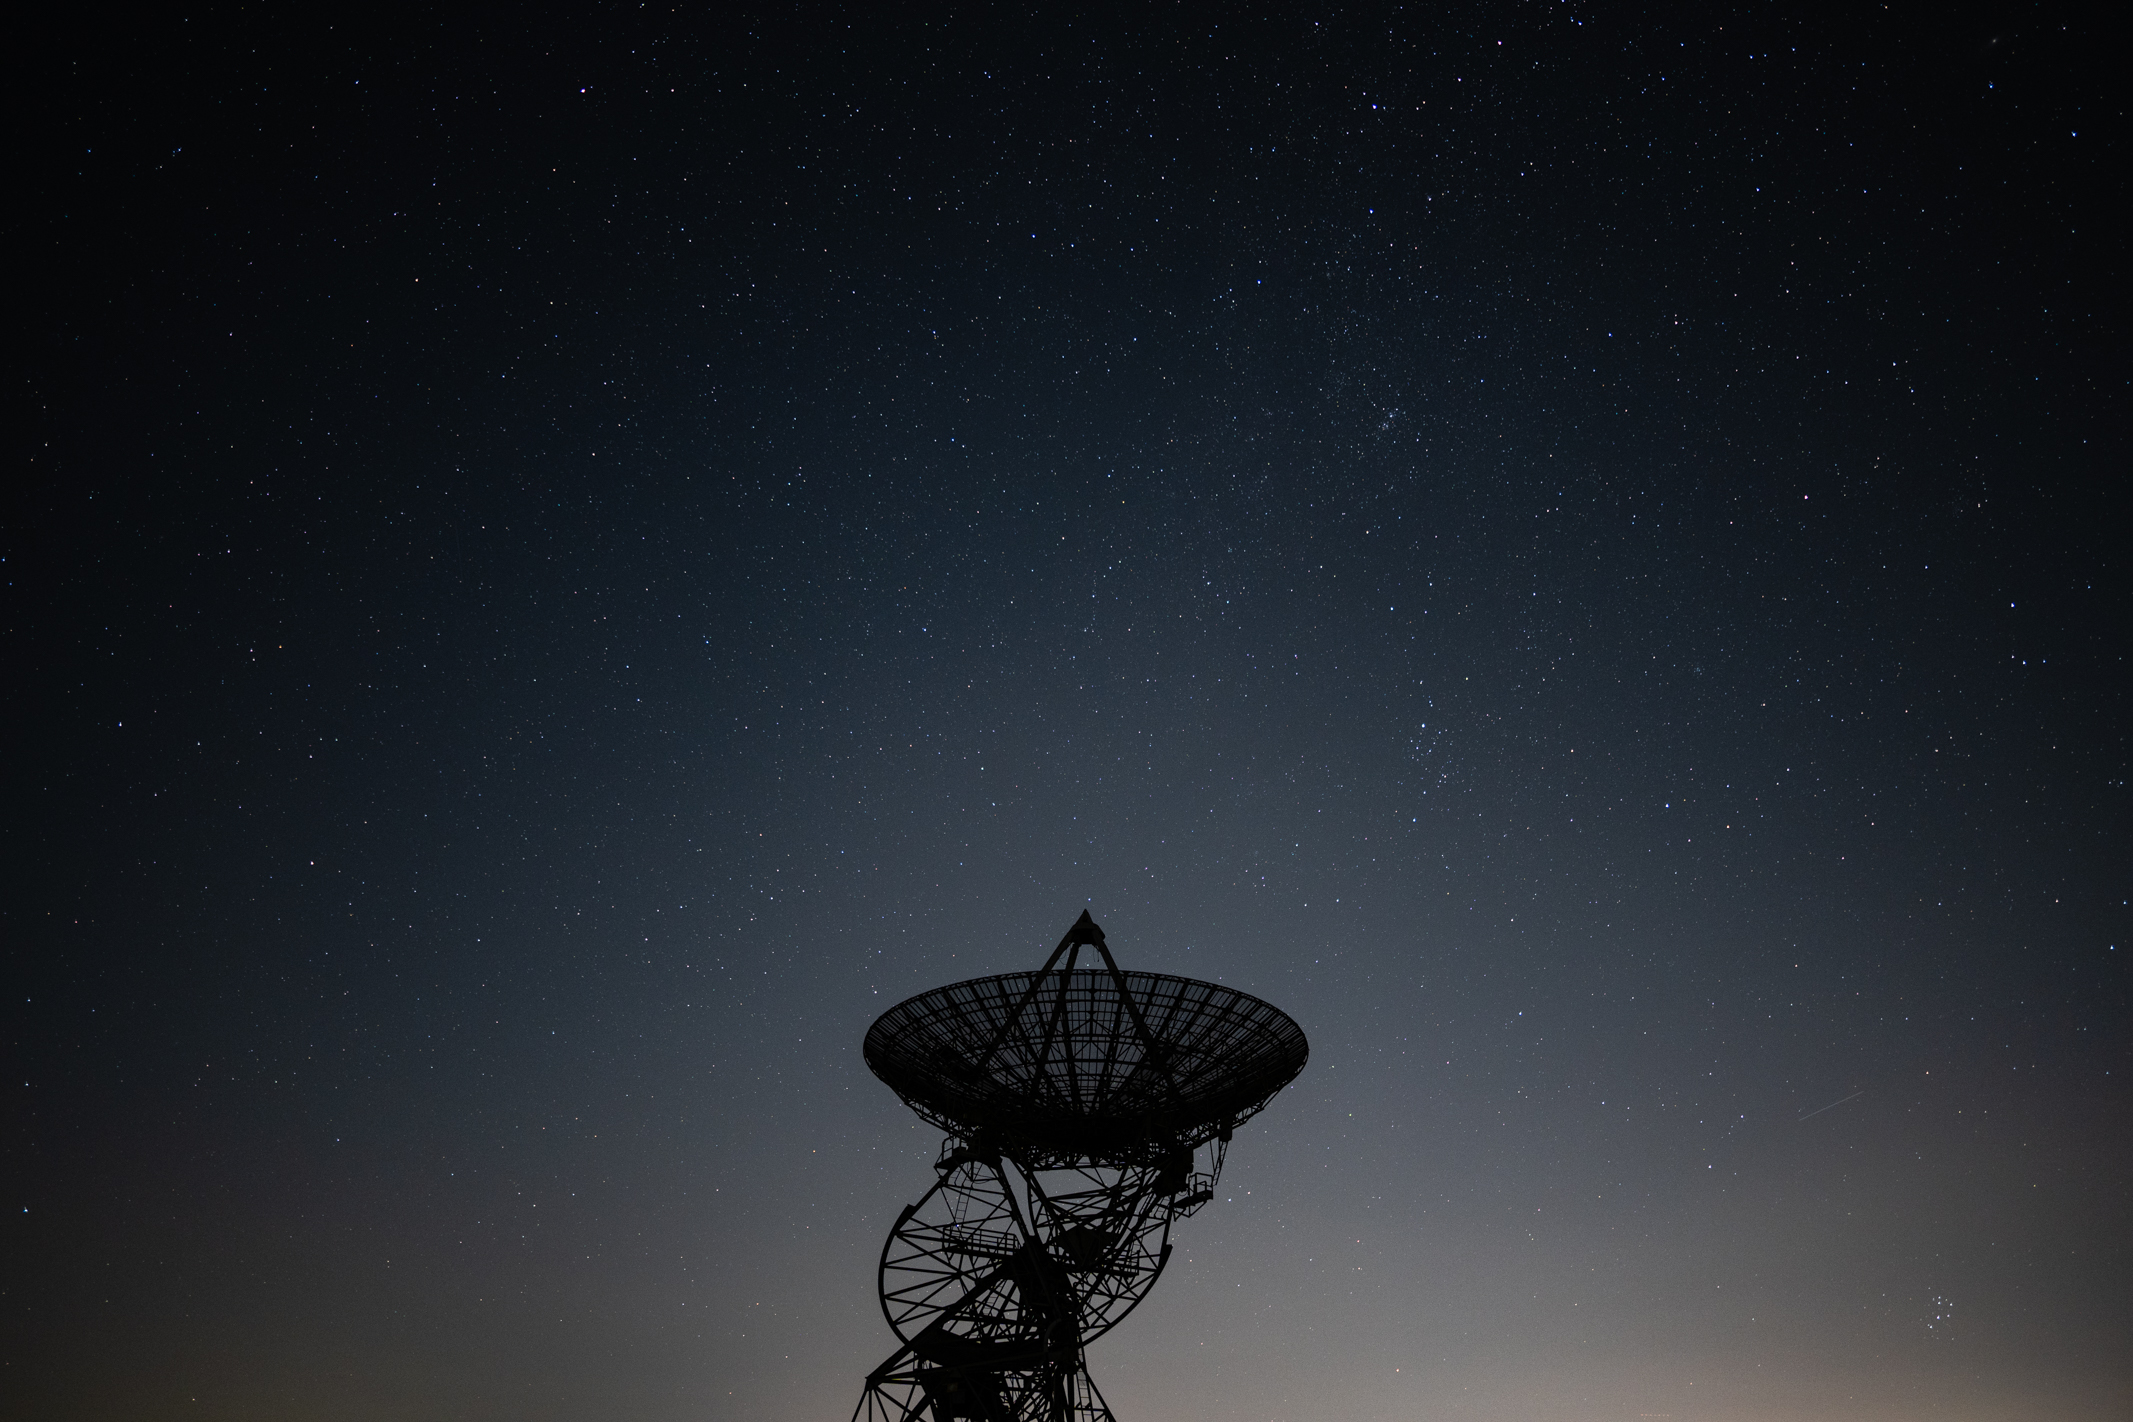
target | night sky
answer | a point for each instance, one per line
(560, 565)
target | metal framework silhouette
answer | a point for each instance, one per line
(1086, 1110)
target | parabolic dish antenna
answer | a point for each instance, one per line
(1086, 1109)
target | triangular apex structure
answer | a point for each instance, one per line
(1077, 1101)
(1083, 933)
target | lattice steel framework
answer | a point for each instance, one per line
(1086, 1111)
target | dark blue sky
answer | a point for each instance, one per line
(567, 564)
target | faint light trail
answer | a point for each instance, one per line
(1820, 1109)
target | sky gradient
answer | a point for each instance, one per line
(566, 565)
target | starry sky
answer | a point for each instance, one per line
(570, 560)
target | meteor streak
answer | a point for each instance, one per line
(1820, 1109)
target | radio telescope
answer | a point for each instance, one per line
(1087, 1110)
